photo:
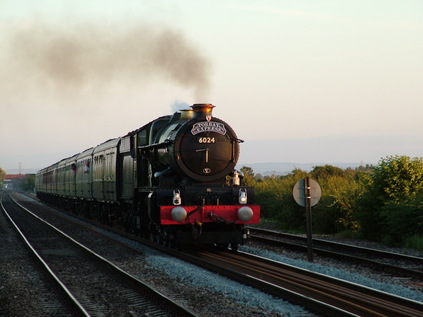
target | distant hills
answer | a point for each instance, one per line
(280, 168)
(351, 151)
(278, 156)
(266, 169)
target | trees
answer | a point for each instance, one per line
(391, 209)
(397, 178)
(340, 188)
(274, 194)
(335, 211)
(382, 202)
(2, 175)
(326, 171)
(248, 175)
(27, 183)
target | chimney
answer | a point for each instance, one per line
(202, 110)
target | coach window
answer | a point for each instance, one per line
(142, 137)
(87, 167)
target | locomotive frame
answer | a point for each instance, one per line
(171, 181)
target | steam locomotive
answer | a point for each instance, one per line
(172, 181)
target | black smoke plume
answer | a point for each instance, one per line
(86, 57)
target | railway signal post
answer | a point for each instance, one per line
(307, 193)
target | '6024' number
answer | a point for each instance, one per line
(206, 140)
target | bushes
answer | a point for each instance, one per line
(396, 179)
(339, 198)
(401, 221)
(392, 208)
(275, 197)
(381, 203)
(331, 215)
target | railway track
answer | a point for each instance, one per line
(389, 262)
(88, 283)
(134, 245)
(320, 293)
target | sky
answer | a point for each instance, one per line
(303, 81)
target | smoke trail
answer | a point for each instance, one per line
(179, 105)
(92, 58)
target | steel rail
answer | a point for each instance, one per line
(339, 245)
(330, 307)
(276, 278)
(343, 251)
(305, 301)
(65, 294)
(154, 295)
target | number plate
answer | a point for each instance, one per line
(206, 140)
